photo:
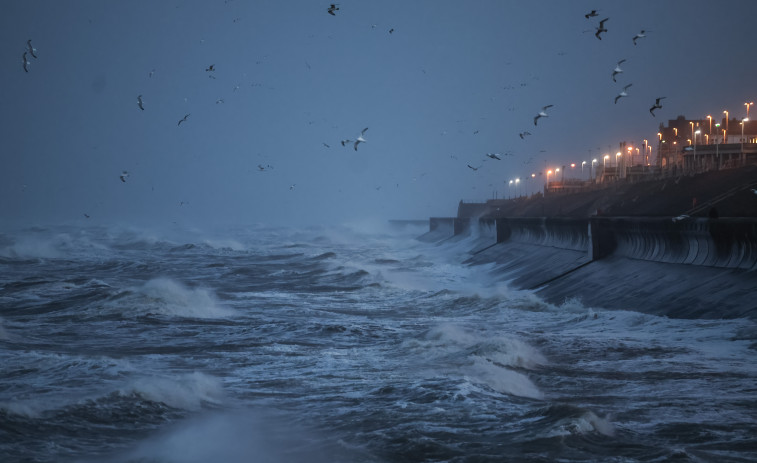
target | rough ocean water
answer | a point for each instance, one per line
(344, 344)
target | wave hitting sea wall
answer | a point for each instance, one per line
(692, 268)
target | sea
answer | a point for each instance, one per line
(344, 343)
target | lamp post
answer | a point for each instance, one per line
(743, 123)
(747, 108)
(517, 181)
(593, 161)
(717, 146)
(533, 178)
(549, 172)
(695, 147)
(726, 120)
(710, 118)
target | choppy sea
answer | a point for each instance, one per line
(344, 344)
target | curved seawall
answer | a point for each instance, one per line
(690, 268)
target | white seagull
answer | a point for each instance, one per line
(360, 138)
(140, 103)
(523, 134)
(26, 63)
(622, 93)
(32, 49)
(123, 176)
(638, 36)
(493, 156)
(601, 28)
(617, 69)
(656, 105)
(542, 113)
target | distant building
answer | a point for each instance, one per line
(706, 144)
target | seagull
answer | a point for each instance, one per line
(522, 135)
(601, 28)
(617, 70)
(622, 94)
(346, 142)
(333, 8)
(640, 35)
(220, 100)
(140, 103)
(472, 168)
(291, 187)
(183, 119)
(360, 138)
(32, 49)
(494, 156)
(26, 63)
(210, 68)
(151, 73)
(657, 105)
(123, 176)
(680, 217)
(391, 31)
(326, 145)
(591, 14)
(542, 113)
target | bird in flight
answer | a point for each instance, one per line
(210, 68)
(542, 113)
(332, 8)
(591, 14)
(494, 156)
(183, 119)
(638, 36)
(622, 93)
(656, 105)
(123, 176)
(473, 168)
(617, 70)
(26, 63)
(140, 103)
(345, 142)
(360, 138)
(523, 135)
(601, 29)
(32, 49)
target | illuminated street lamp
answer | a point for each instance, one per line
(743, 123)
(593, 162)
(710, 118)
(617, 155)
(747, 108)
(583, 163)
(604, 164)
(692, 128)
(510, 189)
(695, 145)
(517, 180)
(717, 145)
(549, 172)
(726, 120)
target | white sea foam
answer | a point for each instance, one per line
(488, 359)
(187, 391)
(169, 297)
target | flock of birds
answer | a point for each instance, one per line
(332, 9)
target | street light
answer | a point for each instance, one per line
(593, 161)
(510, 190)
(695, 146)
(549, 172)
(617, 155)
(726, 119)
(747, 108)
(743, 123)
(710, 118)
(604, 164)
(517, 180)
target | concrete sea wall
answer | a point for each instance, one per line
(690, 268)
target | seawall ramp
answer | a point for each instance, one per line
(688, 268)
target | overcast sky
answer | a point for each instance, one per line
(438, 84)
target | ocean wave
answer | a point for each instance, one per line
(165, 296)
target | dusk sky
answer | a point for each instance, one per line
(438, 84)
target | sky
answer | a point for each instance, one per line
(439, 84)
